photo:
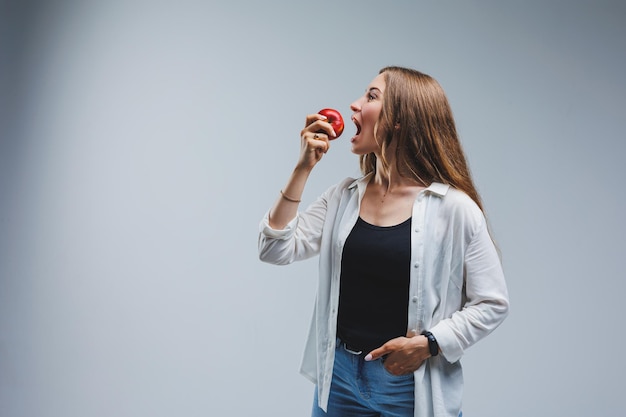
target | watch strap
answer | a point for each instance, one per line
(433, 346)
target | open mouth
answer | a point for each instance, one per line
(358, 126)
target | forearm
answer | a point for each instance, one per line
(487, 302)
(286, 206)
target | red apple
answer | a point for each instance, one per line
(334, 118)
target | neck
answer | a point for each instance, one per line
(390, 179)
(388, 191)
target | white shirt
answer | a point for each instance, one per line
(457, 288)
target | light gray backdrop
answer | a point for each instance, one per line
(141, 142)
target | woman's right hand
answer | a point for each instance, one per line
(314, 144)
(314, 140)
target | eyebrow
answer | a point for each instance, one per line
(374, 88)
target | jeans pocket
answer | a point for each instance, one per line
(389, 374)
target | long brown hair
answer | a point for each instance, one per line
(416, 116)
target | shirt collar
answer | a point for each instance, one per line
(436, 188)
(362, 181)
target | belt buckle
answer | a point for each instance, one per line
(349, 350)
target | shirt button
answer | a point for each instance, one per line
(416, 265)
(414, 299)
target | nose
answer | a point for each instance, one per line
(356, 105)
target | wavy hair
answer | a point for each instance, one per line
(417, 117)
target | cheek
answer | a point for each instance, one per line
(371, 113)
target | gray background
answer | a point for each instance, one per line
(142, 141)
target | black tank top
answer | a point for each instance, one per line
(374, 287)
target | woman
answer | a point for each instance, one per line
(408, 274)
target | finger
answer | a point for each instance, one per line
(400, 370)
(317, 141)
(328, 128)
(389, 347)
(395, 369)
(312, 118)
(318, 136)
(320, 126)
(325, 127)
(377, 353)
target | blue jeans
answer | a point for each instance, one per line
(366, 389)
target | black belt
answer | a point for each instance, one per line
(350, 349)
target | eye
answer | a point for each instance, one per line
(372, 94)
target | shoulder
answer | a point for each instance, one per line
(458, 198)
(458, 206)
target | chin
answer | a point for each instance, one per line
(357, 151)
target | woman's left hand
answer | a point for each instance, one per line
(404, 354)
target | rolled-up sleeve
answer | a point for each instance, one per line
(299, 240)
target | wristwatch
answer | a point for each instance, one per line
(433, 346)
